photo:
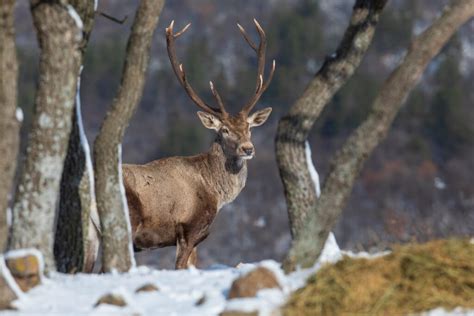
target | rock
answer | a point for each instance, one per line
(201, 301)
(249, 284)
(9, 290)
(112, 299)
(149, 287)
(26, 267)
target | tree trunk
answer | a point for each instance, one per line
(111, 200)
(59, 34)
(293, 128)
(77, 236)
(9, 124)
(350, 158)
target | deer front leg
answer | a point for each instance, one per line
(183, 250)
(193, 259)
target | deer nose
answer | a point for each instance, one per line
(247, 149)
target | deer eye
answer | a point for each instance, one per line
(225, 131)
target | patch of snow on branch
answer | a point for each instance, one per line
(125, 205)
(467, 57)
(77, 19)
(9, 217)
(19, 115)
(87, 153)
(312, 170)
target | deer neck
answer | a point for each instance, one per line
(227, 175)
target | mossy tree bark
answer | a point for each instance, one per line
(293, 128)
(348, 161)
(59, 37)
(9, 124)
(77, 237)
(110, 193)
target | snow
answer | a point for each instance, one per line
(440, 311)
(96, 4)
(468, 57)
(312, 170)
(260, 222)
(439, 183)
(179, 291)
(9, 217)
(19, 115)
(85, 146)
(183, 292)
(77, 19)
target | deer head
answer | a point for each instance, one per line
(233, 131)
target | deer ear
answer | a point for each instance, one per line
(259, 117)
(209, 121)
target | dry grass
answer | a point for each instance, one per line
(412, 279)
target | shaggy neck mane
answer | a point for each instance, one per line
(228, 173)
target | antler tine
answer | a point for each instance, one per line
(247, 37)
(182, 31)
(270, 76)
(218, 98)
(181, 74)
(261, 86)
(262, 48)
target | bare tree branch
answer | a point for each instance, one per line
(350, 158)
(293, 128)
(111, 202)
(113, 19)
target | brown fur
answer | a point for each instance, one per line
(173, 201)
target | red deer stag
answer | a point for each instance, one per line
(173, 201)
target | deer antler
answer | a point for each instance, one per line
(181, 75)
(260, 50)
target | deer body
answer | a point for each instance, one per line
(177, 198)
(173, 201)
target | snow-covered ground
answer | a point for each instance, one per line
(185, 292)
(179, 291)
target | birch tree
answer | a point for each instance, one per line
(77, 236)
(111, 200)
(59, 33)
(9, 124)
(348, 161)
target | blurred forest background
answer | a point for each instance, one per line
(416, 186)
